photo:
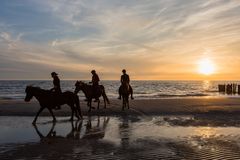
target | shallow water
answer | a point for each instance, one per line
(142, 89)
(127, 137)
(20, 129)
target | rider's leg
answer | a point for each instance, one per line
(131, 91)
(58, 92)
(95, 90)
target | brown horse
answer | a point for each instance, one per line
(89, 94)
(125, 92)
(48, 99)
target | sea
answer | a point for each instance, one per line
(15, 89)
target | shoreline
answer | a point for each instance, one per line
(144, 107)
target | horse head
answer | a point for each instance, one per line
(29, 93)
(78, 85)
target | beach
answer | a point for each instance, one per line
(202, 105)
(173, 128)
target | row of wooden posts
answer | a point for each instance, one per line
(229, 88)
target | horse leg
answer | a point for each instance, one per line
(123, 102)
(98, 104)
(50, 110)
(77, 103)
(128, 102)
(90, 105)
(76, 113)
(74, 110)
(104, 102)
(105, 97)
(35, 119)
(79, 111)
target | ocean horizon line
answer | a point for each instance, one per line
(116, 80)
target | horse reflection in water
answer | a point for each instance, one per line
(91, 131)
(124, 132)
(52, 134)
(96, 131)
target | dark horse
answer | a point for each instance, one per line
(48, 99)
(88, 91)
(125, 92)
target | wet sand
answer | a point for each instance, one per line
(123, 137)
(137, 107)
(193, 128)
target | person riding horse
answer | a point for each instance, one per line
(56, 83)
(95, 84)
(125, 80)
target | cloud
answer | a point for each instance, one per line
(144, 36)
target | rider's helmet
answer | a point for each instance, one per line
(124, 70)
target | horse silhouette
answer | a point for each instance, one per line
(89, 93)
(48, 99)
(125, 92)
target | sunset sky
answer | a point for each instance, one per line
(151, 39)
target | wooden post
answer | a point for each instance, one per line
(222, 88)
(229, 88)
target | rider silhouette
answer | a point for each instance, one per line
(56, 86)
(125, 79)
(95, 83)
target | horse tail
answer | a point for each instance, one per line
(77, 102)
(104, 95)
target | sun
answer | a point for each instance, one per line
(206, 67)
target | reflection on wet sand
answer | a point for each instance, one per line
(91, 131)
(97, 131)
(138, 138)
(52, 134)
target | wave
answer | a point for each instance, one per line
(183, 95)
(141, 89)
(7, 98)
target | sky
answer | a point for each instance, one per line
(151, 39)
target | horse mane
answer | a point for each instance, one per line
(81, 82)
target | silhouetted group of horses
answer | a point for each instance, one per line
(49, 99)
